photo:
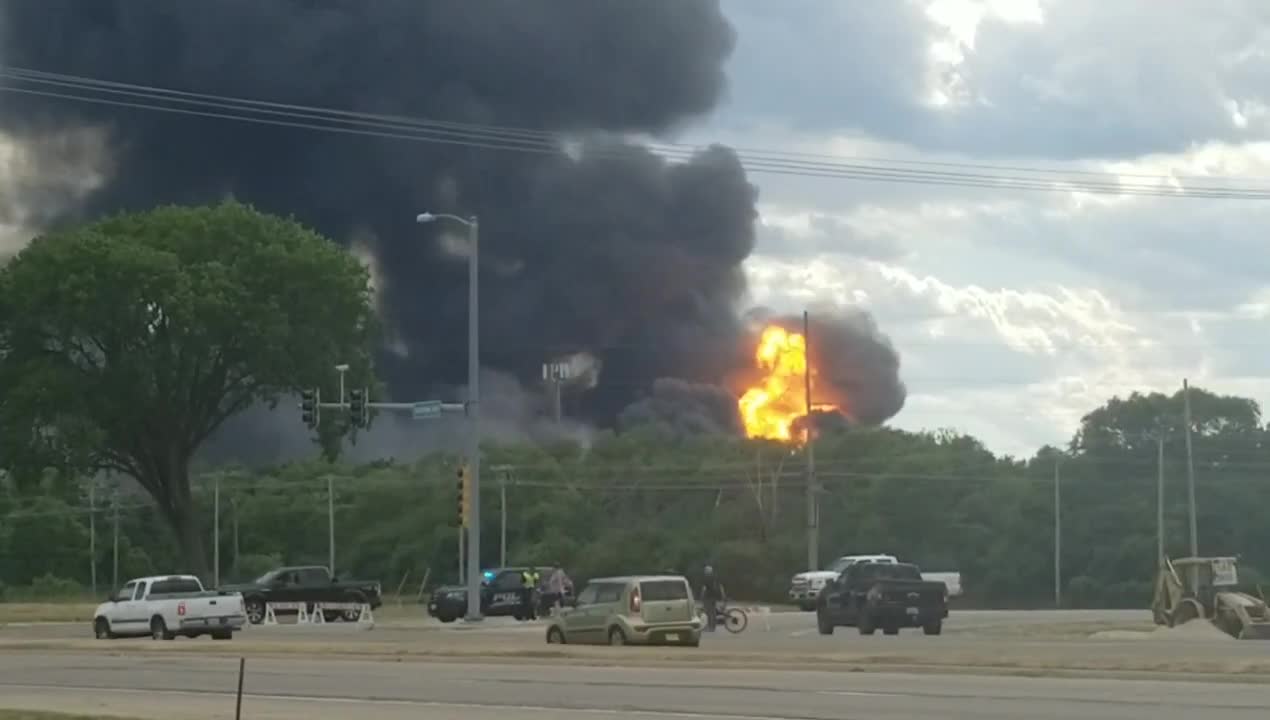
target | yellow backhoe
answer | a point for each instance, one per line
(1197, 588)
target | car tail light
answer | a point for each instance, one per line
(635, 600)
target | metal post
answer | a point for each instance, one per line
(92, 533)
(556, 408)
(1058, 537)
(474, 419)
(1190, 480)
(1190, 468)
(330, 522)
(813, 509)
(216, 532)
(114, 576)
(462, 542)
(233, 508)
(1159, 499)
(502, 509)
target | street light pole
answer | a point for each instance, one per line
(473, 406)
(342, 368)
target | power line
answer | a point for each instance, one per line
(489, 137)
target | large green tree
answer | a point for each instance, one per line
(125, 343)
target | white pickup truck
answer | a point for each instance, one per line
(169, 605)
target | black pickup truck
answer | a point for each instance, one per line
(307, 584)
(882, 595)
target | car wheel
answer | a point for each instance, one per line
(101, 629)
(865, 624)
(255, 611)
(806, 606)
(447, 618)
(934, 627)
(823, 624)
(223, 635)
(159, 629)
(353, 615)
(555, 636)
(617, 637)
(890, 630)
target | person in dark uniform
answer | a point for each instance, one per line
(712, 597)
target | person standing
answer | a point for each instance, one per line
(529, 579)
(713, 596)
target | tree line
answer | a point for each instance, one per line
(644, 502)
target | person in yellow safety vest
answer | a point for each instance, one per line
(530, 578)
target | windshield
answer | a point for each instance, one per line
(266, 578)
(840, 564)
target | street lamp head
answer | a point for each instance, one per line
(426, 217)
(342, 367)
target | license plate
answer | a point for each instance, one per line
(672, 637)
(912, 611)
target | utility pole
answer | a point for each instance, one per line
(233, 508)
(330, 522)
(1190, 480)
(1159, 498)
(1190, 468)
(114, 576)
(474, 417)
(92, 532)
(504, 476)
(813, 509)
(502, 511)
(216, 532)
(1058, 535)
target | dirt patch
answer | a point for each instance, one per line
(24, 714)
(1195, 630)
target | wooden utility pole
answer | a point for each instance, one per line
(813, 509)
(1058, 536)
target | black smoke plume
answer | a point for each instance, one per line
(600, 247)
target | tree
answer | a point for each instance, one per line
(125, 343)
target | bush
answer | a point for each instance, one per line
(52, 587)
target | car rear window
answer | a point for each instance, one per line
(172, 587)
(658, 590)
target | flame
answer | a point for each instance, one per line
(772, 408)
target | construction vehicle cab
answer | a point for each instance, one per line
(1197, 588)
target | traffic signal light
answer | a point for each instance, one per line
(357, 410)
(465, 496)
(311, 407)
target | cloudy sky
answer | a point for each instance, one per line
(1016, 312)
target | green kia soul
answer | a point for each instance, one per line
(636, 610)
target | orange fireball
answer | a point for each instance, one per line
(771, 408)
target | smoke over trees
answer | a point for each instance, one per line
(598, 246)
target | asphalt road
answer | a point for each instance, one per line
(181, 687)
